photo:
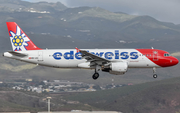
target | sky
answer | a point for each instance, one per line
(163, 10)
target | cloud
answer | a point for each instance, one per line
(164, 10)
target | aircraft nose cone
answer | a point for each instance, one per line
(175, 61)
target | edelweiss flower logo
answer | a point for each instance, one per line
(19, 40)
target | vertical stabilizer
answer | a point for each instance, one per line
(19, 40)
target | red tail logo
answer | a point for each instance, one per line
(19, 40)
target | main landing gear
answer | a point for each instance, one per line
(154, 73)
(96, 74)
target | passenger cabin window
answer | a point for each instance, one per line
(166, 54)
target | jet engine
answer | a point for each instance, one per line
(116, 68)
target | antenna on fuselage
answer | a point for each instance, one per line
(152, 47)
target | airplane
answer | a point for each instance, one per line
(114, 61)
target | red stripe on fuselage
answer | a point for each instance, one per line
(157, 56)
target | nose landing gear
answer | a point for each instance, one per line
(155, 76)
(154, 73)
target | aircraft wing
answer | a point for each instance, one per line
(17, 54)
(91, 57)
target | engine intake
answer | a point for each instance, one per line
(117, 68)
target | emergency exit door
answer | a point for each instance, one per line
(40, 56)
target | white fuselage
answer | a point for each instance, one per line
(69, 58)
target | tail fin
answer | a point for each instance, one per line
(19, 40)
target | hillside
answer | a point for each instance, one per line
(13, 6)
(24, 101)
(12, 70)
(85, 27)
(153, 97)
(18, 101)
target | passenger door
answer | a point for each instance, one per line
(155, 55)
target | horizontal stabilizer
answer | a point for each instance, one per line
(17, 54)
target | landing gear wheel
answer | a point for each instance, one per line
(154, 72)
(155, 76)
(95, 76)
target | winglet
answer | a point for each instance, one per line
(78, 50)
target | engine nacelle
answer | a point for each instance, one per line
(118, 68)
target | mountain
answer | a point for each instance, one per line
(86, 27)
(12, 6)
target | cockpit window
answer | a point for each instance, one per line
(167, 54)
